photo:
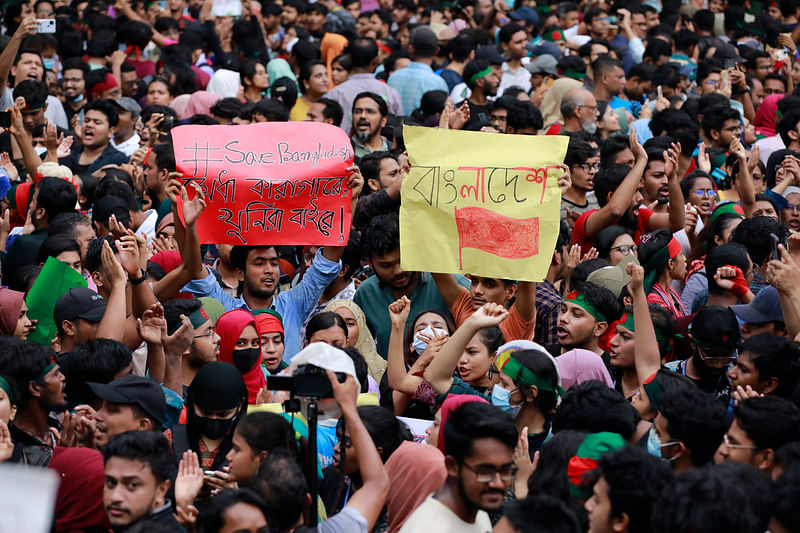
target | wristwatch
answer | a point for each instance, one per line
(139, 280)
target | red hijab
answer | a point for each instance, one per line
(766, 115)
(229, 327)
(10, 306)
(169, 260)
(450, 404)
(79, 502)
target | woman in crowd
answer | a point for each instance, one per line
(313, 82)
(14, 319)
(662, 258)
(358, 335)
(240, 345)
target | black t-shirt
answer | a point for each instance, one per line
(478, 115)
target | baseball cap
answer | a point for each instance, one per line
(525, 13)
(715, 326)
(130, 389)
(765, 307)
(544, 64)
(128, 104)
(544, 48)
(491, 54)
(613, 278)
(79, 302)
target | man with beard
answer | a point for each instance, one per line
(259, 272)
(714, 333)
(583, 162)
(381, 246)
(95, 150)
(618, 191)
(205, 341)
(130, 403)
(138, 465)
(483, 81)
(74, 82)
(579, 109)
(369, 117)
(40, 386)
(479, 442)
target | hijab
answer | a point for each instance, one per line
(577, 366)
(79, 500)
(365, 344)
(229, 327)
(331, 46)
(766, 115)
(415, 470)
(551, 103)
(200, 103)
(225, 83)
(179, 104)
(10, 307)
(280, 68)
(169, 260)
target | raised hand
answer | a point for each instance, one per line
(399, 310)
(355, 181)
(636, 272)
(192, 209)
(488, 315)
(189, 481)
(151, 324)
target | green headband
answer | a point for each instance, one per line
(658, 260)
(50, 366)
(723, 209)
(478, 75)
(198, 318)
(627, 322)
(514, 369)
(577, 298)
(6, 386)
(574, 74)
(553, 35)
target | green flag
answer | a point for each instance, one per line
(55, 279)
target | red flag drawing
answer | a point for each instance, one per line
(512, 238)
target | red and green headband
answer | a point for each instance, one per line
(553, 35)
(578, 298)
(594, 446)
(513, 368)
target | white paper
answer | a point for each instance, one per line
(27, 498)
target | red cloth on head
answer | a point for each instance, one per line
(229, 327)
(79, 501)
(764, 120)
(169, 260)
(22, 195)
(106, 85)
(268, 323)
(450, 404)
(10, 306)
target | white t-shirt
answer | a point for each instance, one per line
(433, 515)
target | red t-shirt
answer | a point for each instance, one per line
(579, 236)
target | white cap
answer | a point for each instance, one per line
(325, 356)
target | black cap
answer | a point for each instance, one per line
(110, 205)
(715, 326)
(491, 54)
(130, 389)
(79, 302)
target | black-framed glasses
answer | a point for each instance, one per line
(588, 167)
(702, 193)
(208, 333)
(715, 357)
(486, 473)
(625, 249)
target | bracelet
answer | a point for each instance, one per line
(139, 280)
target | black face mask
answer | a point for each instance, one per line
(215, 428)
(246, 359)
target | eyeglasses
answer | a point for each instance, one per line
(208, 333)
(589, 106)
(727, 442)
(497, 118)
(702, 193)
(625, 249)
(793, 207)
(588, 167)
(486, 473)
(727, 359)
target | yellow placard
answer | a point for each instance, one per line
(480, 203)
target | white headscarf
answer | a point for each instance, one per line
(225, 83)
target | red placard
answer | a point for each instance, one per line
(268, 183)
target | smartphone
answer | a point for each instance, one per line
(5, 119)
(775, 254)
(211, 473)
(725, 78)
(660, 93)
(45, 25)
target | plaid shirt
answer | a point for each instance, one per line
(548, 303)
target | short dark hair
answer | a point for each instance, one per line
(578, 152)
(613, 146)
(94, 262)
(55, 245)
(67, 224)
(715, 118)
(383, 108)
(685, 39)
(608, 180)
(696, 419)
(382, 235)
(95, 360)
(332, 110)
(507, 32)
(788, 123)
(212, 517)
(476, 420)
(22, 362)
(753, 234)
(165, 156)
(785, 495)
(541, 514)
(174, 308)
(280, 481)
(106, 108)
(239, 254)
(601, 299)
(733, 254)
(605, 64)
(76, 63)
(363, 51)
(149, 447)
(273, 109)
(473, 67)
(768, 421)
(666, 74)
(34, 92)
(385, 429)
(623, 471)
(775, 357)
(523, 114)
(654, 50)
(461, 46)
(594, 407)
(55, 196)
(370, 164)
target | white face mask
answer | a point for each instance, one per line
(420, 344)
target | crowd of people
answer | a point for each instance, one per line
(649, 383)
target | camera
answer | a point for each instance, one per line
(309, 381)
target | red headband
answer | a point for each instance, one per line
(107, 84)
(674, 248)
